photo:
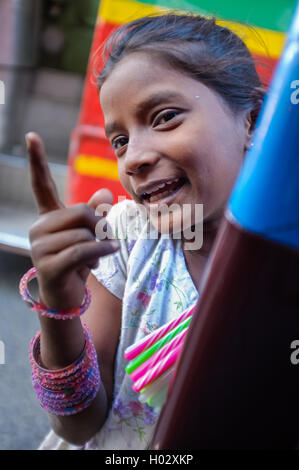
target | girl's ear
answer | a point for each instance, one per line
(249, 125)
(251, 116)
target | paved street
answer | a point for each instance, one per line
(23, 423)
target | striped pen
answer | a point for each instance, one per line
(178, 340)
(145, 343)
(157, 370)
(155, 387)
(133, 365)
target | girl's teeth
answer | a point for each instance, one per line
(162, 185)
(158, 196)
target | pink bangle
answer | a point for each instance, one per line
(46, 311)
(69, 390)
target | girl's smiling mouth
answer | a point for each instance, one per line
(166, 193)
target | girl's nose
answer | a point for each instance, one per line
(139, 156)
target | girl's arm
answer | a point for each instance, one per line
(103, 318)
(64, 250)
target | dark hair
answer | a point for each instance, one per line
(196, 46)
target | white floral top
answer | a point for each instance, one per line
(152, 279)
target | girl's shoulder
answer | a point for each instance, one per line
(125, 224)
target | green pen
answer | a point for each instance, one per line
(158, 345)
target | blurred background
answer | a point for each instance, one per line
(44, 52)
(48, 85)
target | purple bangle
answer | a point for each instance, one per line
(46, 311)
(72, 389)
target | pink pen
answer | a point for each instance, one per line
(155, 372)
(159, 355)
(137, 348)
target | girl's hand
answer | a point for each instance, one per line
(63, 244)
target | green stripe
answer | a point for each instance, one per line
(268, 14)
(147, 353)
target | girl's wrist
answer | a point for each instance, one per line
(61, 341)
(47, 309)
(57, 299)
(69, 389)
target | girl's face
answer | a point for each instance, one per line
(165, 125)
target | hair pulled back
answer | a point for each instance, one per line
(196, 46)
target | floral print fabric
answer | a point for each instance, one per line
(151, 278)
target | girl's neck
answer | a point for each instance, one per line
(209, 233)
(196, 260)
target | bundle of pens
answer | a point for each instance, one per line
(153, 358)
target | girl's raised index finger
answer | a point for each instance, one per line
(42, 183)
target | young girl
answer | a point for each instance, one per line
(180, 96)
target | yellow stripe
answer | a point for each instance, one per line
(260, 41)
(97, 167)
(123, 11)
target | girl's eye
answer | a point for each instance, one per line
(165, 117)
(119, 142)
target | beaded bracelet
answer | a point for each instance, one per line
(46, 311)
(69, 390)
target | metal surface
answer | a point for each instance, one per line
(17, 207)
(18, 32)
(17, 83)
(19, 27)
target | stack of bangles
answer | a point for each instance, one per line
(69, 390)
